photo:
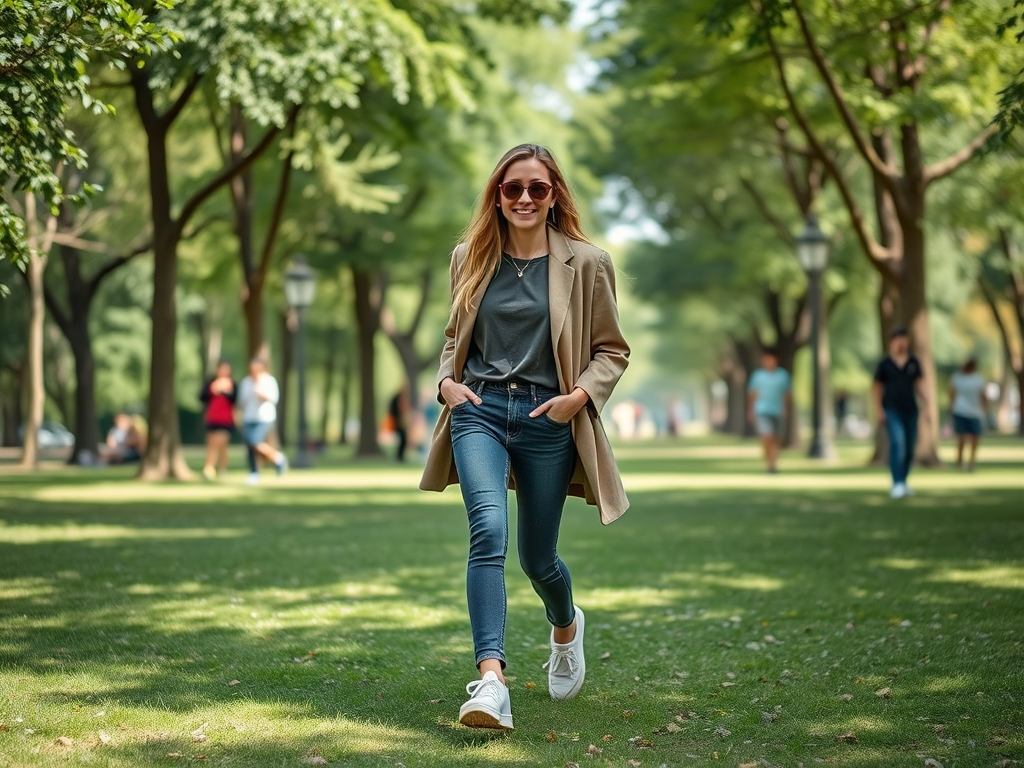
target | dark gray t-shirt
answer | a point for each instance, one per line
(512, 335)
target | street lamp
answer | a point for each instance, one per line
(812, 252)
(299, 288)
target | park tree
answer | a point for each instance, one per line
(43, 56)
(272, 60)
(906, 84)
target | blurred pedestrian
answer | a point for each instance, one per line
(400, 410)
(898, 385)
(967, 393)
(257, 399)
(218, 396)
(769, 402)
(532, 352)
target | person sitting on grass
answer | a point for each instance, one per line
(769, 401)
(125, 442)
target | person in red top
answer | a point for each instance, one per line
(218, 395)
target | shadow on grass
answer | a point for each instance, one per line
(339, 629)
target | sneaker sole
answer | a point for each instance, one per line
(477, 718)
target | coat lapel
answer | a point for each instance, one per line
(560, 281)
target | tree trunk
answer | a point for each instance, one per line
(405, 341)
(915, 314)
(787, 347)
(87, 430)
(346, 398)
(163, 458)
(35, 268)
(367, 309)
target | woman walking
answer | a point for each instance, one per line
(218, 397)
(532, 352)
(967, 391)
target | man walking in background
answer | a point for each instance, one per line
(769, 401)
(898, 378)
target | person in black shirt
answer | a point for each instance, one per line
(898, 386)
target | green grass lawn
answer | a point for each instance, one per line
(733, 619)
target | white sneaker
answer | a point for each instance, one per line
(489, 705)
(908, 491)
(567, 666)
(898, 491)
(253, 478)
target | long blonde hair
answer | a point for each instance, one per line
(487, 233)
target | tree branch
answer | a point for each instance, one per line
(172, 114)
(876, 253)
(952, 163)
(839, 99)
(769, 215)
(280, 199)
(226, 175)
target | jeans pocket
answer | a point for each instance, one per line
(559, 424)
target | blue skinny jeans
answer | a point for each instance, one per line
(902, 429)
(487, 441)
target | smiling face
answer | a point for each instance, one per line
(524, 212)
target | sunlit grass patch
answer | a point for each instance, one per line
(322, 615)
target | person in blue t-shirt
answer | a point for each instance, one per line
(769, 401)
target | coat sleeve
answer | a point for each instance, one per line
(609, 352)
(446, 367)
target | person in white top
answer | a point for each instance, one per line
(257, 399)
(967, 393)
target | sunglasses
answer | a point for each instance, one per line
(513, 190)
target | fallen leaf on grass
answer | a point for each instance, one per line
(627, 713)
(723, 732)
(748, 765)
(606, 655)
(314, 760)
(606, 737)
(104, 737)
(634, 763)
(849, 738)
(199, 738)
(592, 750)
(531, 685)
(235, 682)
(641, 743)
(571, 764)
(174, 755)
(64, 741)
(884, 693)
(728, 684)
(932, 763)
(4, 728)
(769, 717)
(673, 728)
(552, 737)
(436, 701)
(846, 697)
(996, 741)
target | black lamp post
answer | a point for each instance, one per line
(812, 251)
(299, 289)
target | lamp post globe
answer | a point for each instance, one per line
(812, 251)
(299, 292)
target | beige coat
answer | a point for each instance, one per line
(590, 353)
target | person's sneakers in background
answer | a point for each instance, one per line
(898, 491)
(253, 478)
(282, 465)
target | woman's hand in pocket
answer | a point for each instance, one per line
(456, 394)
(562, 408)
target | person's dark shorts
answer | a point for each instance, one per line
(967, 425)
(229, 428)
(130, 456)
(768, 426)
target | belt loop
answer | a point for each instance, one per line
(533, 393)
